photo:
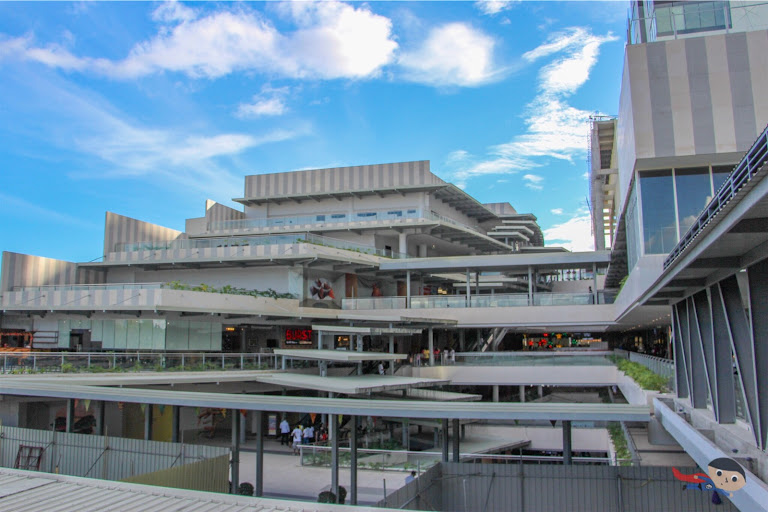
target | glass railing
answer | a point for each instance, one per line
(532, 359)
(90, 287)
(322, 220)
(476, 301)
(118, 362)
(697, 19)
(251, 241)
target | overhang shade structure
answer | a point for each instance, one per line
(349, 385)
(716, 280)
(346, 406)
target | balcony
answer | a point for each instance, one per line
(476, 301)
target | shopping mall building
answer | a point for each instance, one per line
(388, 262)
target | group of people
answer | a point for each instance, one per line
(449, 356)
(300, 435)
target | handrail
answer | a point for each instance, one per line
(750, 165)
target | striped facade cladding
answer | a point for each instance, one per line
(341, 179)
(697, 96)
(83, 299)
(20, 270)
(120, 229)
(217, 212)
(501, 208)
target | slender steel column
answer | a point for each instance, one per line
(102, 413)
(258, 417)
(704, 324)
(757, 276)
(469, 291)
(681, 371)
(235, 470)
(353, 461)
(175, 424)
(407, 288)
(148, 422)
(699, 383)
(445, 439)
(456, 441)
(70, 420)
(334, 428)
(431, 339)
(567, 442)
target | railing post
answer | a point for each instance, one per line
(242, 362)
(34, 362)
(182, 361)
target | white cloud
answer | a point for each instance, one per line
(454, 54)
(575, 234)
(459, 155)
(333, 40)
(492, 7)
(269, 102)
(554, 129)
(556, 211)
(533, 181)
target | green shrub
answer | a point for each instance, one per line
(620, 443)
(644, 377)
(68, 368)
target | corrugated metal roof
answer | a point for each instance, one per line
(32, 491)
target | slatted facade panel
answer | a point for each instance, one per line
(217, 212)
(119, 229)
(20, 270)
(341, 179)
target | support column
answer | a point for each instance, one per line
(567, 442)
(522, 394)
(243, 341)
(595, 297)
(353, 461)
(469, 290)
(402, 246)
(102, 430)
(461, 340)
(334, 431)
(431, 338)
(407, 288)
(445, 440)
(70, 415)
(406, 435)
(175, 423)
(243, 426)
(541, 391)
(148, 422)
(477, 283)
(681, 370)
(530, 286)
(319, 340)
(456, 441)
(495, 393)
(235, 469)
(724, 381)
(392, 351)
(757, 276)
(258, 486)
(699, 384)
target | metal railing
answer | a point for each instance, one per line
(98, 362)
(253, 241)
(679, 21)
(321, 220)
(549, 358)
(90, 287)
(403, 460)
(476, 301)
(749, 166)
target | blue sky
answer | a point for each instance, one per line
(147, 109)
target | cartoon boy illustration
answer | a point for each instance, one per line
(723, 476)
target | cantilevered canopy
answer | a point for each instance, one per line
(350, 406)
(341, 356)
(349, 385)
(371, 331)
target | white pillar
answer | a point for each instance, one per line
(522, 394)
(495, 393)
(469, 291)
(403, 243)
(431, 348)
(408, 289)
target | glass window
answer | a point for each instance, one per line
(720, 174)
(633, 238)
(658, 203)
(366, 214)
(693, 194)
(338, 215)
(396, 213)
(320, 218)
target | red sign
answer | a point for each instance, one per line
(298, 336)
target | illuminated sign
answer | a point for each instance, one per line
(298, 336)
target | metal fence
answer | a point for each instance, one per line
(97, 362)
(476, 301)
(535, 488)
(104, 457)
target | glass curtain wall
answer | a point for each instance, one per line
(671, 200)
(634, 246)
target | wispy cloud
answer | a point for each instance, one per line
(554, 129)
(454, 54)
(492, 7)
(556, 211)
(269, 102)
(533, 181)
(575, 234)
(333, 40)
(12, 205)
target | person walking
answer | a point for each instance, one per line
(309, 435)
(296, 435)
(285, 431)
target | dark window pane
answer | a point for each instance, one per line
(693, 194)
(657, 198)
(720, 174)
